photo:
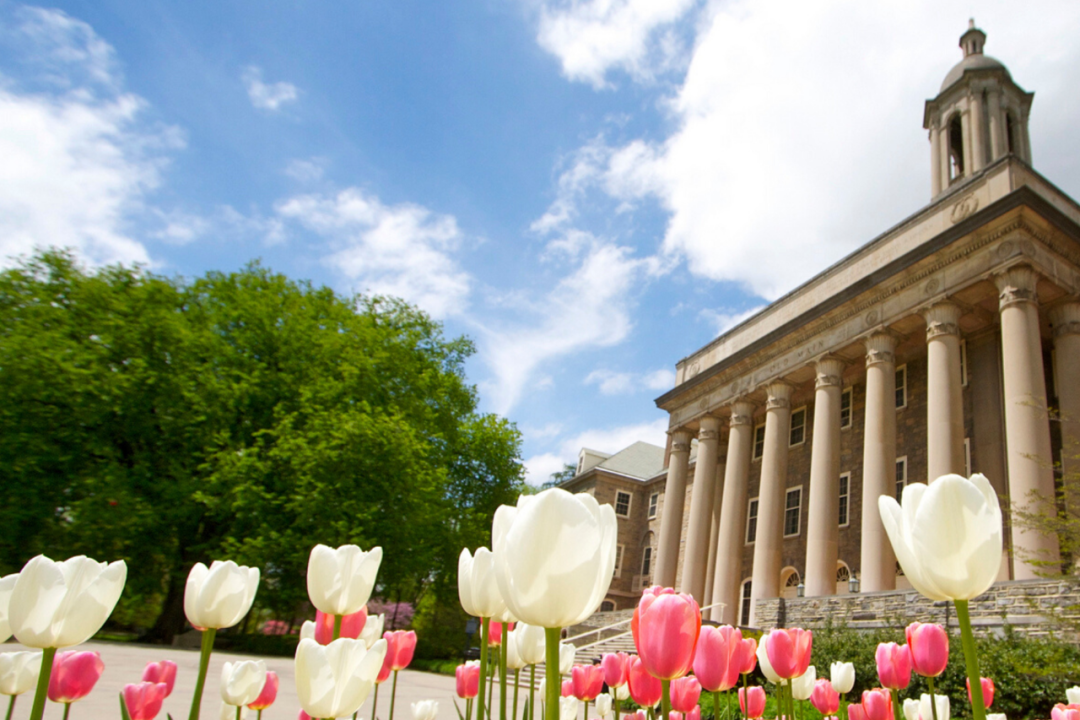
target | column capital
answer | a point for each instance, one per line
(880, 348)
(742, 413)
(709, 428)
(1016, 285)
(680, 440)
(779, 395)
(942, 318)
(829, 371)
(1065, 318)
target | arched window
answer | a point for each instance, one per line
(744, 603)
(956, 148)
(789, 582)
(607, 606)
(843, 574)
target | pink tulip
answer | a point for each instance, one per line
(752, 701)
(877, 704)
(303, 715)
(645, 689)
(789, 651)
(636, 715)
(855, 712)
(893, 665)
(400, 646)
(716, 656)
(386, 669)
(351, 625)
(746, 656)
(468, 680)
(268, 695)
(825, 697)
(163, 671)
(694, 714)
(587, 681)
(987, 688)
(616, 667)
(143, 700)
(929, 648)
(567, 688)
(666, 625)
(685, 692)
(495, 632)
(1065, 712)
(74, 674)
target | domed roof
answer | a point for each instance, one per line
(975, 61)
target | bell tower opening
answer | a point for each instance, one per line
(1009, 130)
(956, 149)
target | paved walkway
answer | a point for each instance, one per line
(124, 663)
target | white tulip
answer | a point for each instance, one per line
(763, 661)
(1073, 695)
(221, 595)
(425, 710)
(307, 630)
(541, 687)
(568, 708)
(7, 584)
(802, 686)
(228, 712)
(513, 657)
(911, 709)
(942, 702)
(567, 653)
(333, 680)
(603, 705)
(842, 675)
(340, 581)
(241, 682)
(478, 589)
(19, 671)
(947, 536)
(996, 716)
(373, 630)
(529, 642)
(554, 556)
(622, 692)
(60, 604)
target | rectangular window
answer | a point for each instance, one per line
(654, 499)
(751, 520)
(759, 442)
(963, 364)
(646, 561)
(901, 387)
(622, 504)
(845, 408)
(967, 456)
(791, 512)
(845, 497)
(744, 602)
(901, 476)
(618, 560)
(798, 427)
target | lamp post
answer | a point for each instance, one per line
(800, 590)
(853, 583)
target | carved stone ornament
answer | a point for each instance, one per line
(826, 381)
(708, 434)
(876, 357)
(680, 446)
(740, 419)
(1068, 328)
(693, 370)
(1010, 295)
(937, 328)
(964, 208)
(775, 403)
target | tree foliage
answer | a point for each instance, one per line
(240, 415)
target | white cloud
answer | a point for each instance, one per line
(724, 320)
(267, 96)
(77, 158)
(306, 171)
(401, 250)
(539, 467)
(592, 37)
(662, 379)
(621, 383)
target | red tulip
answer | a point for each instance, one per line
(987, 688)
(929, 648)
(268, 695)
(825, 697)
(877, 704)
(143, 700)
(495, 632)
(645, 689)
(893, 665)
(694, 714)
(789, 651)
(616, 666)
(752, 701)
(716, 658)
(666, 625)
(303, 715)
(351, 625)
(161, 672)
(567, 688)
(74, 675)
(468, 680)
(746, 656)
(855, 712)
(400, 646)
(385, 670)
(685, 692)
(587, 681)
(1065, 712)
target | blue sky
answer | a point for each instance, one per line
(591, 189)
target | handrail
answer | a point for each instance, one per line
(616, 624)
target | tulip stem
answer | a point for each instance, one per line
(483, 668)
(393, 695)
(42, 692)
(586, 715)
(204, 664)
(502, 673)
(551, 672)
(67, 709)
(843, 709)
(238, 709)
(897, 711)
(665, 699)
(517, 672)
(978, 707)
(532, 692)
(933, 705)
(615, 697)
(375, 701)
(716, 705)
(11, 707)
(337, 626)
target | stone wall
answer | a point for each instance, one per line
(1032, 607)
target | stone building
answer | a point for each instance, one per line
(944, 345)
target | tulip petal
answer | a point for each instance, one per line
(894, 517)
(38, 593)
(7, 586)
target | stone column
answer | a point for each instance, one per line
(997, 124)
(823, 516)
(727, 574)
(714, 533)
(978, 150)
(965, 125)
(943, 143)
(944, 406)
(877, 563)
(701, 506)
(770, 524)
(667, 551)
(935, 163)
(1027, 426)
(1066, 322)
